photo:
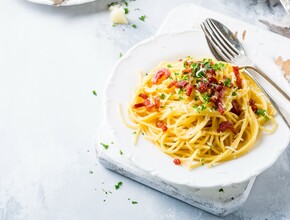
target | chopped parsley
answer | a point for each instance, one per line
(134, 202)
(227, 82)
(112, 4)
(234, 93)
(134, 25)
(126, 10)
(94, 92)
(263, 113)
(125, 2)
(121, 152)
(106, 146)
(134, 132)
(120, 55)
(169, 66)
(143, 17)
(118, 185)
(162, 96)
(91, 172)
(218, 66)
(221, 190)
(205, 97)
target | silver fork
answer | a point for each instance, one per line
(222, 49)
(230, 49)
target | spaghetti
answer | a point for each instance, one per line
(199, 111)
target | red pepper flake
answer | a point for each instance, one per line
(237, 75)
(226, 125)
(181, 84)
(161, 125)
(253, 105)
(189, 89)
(159, 74)
(173, 83)
(176, 161)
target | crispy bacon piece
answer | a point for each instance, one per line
(226, 125)
(161, 125)
(143, 96)
(253, 105)
(212, 80)
(157, 102)
(176, 161)
(173, 83)
(188, 89)
(139, 105)
(187, 70)
(237, 75)
(236, 108)
(181, 84)
(202, 87)
(220, 108)
(210, 73)
(159, 74)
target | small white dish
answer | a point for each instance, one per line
(60, 2)
(119, 89)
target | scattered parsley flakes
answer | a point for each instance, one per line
(120, 55)
(134, 202)
(227, 82)
(169, 66)
(118, 185)
(126, 10)
(112, 4)
(121, 152)
(134, 25)
(94, 92)
(134, 132)
(205, 97)
(162, 96)
(125, 2)
(106, 146)
(263, 113)
(143, 17)
(91, 172)
(221, 190)
(234, 93)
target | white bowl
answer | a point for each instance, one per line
(119, 89)
(65, 3)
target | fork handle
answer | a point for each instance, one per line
(269, 80)
(281, 111)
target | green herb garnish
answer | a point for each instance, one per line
(94, 93)
(162, 96)
(221, 190)
(134, 202)
(118, 185)
(106, 146)
(234, 93)
(112, 3)
(121, 152)
(143, 17)
(263, 113)
(169, 66)
(205, 97)
(134, 25)
(227, 82)
(91, 172)
(126, 10)
(120, 55)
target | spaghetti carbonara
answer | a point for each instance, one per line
(200, 112)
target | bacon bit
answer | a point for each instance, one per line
(220, 108)
(189, 89)
(224, 125)
(237, 75)
(139, 105)
(157, 102)
(187, 70)
(202, 87)
(186, 64)
(212, 80)
(176, 161)
(221, 95)
(143, 96)
(173, 83)
(148, 104)
(236, 108)
(181, 84)
(180, 59)
(210, 73)
(253, 105)
(161, 125)
(159, 74)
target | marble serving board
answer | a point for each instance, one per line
(212, 200)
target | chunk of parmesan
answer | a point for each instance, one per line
(118, 15)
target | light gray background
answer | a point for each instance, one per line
(50, 61)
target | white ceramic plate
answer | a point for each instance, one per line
(145, 155)
(61, 3)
